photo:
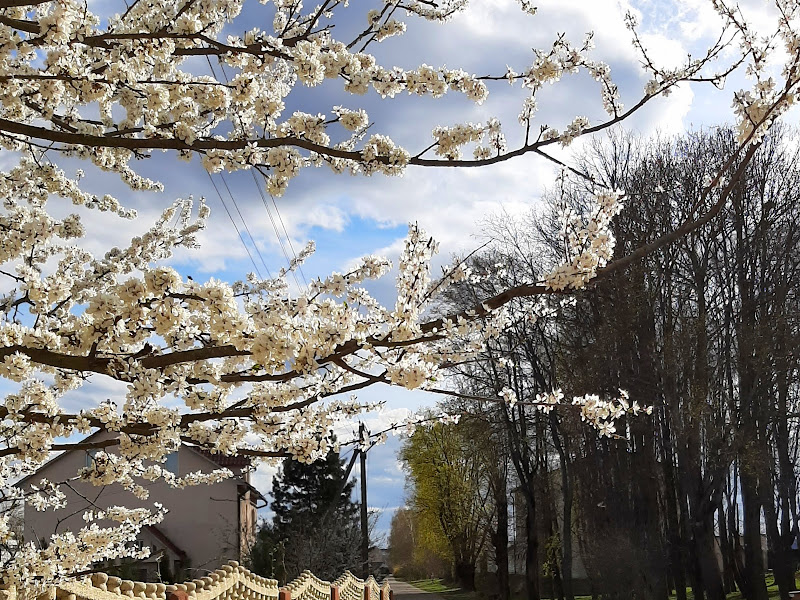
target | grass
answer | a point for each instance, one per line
(438, 586)
(448, 592)
(772, 590)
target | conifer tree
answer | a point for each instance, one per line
(315, 523)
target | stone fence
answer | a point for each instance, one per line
(230, 582)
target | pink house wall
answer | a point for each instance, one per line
(203, 521)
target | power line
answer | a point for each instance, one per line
(266, 206)
(288, 239)
(244, 221)
(230, 216)
(262, 193)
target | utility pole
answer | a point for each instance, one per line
(364, 516)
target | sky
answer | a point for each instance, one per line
(352, 216)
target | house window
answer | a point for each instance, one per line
(90, 454)
(135, 544)
(172, 463)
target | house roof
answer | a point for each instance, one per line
(57, 457)
(221, 460)
(164, 539)
(246, 486)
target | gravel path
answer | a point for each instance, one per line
(406, 591)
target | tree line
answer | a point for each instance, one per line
(699, 494)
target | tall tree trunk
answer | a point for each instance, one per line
(531, 544)
(668, 419)
(786, 486)
(464, 571)
(778, 555)
(567, 496)
(753, 576)
(737, 549)
(725, 551)
(690, 483)
(707, 557)
(702, 499)
(500, 538)
(676, 553)
(566, 537)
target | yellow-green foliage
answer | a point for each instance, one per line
(445, 480)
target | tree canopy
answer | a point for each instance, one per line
(448, 494)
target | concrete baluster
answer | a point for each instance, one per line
(99, 581)
(113, 584)
(126, 588)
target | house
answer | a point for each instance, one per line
(206, 526)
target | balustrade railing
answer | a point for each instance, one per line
(230, 582)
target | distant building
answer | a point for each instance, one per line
(379, 562)
(205, 527)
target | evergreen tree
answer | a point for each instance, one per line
(315, 524)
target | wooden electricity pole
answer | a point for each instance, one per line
(364, 516)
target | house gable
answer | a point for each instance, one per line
(205, 522)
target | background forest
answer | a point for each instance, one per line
(702, 493)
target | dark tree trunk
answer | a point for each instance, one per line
(566, 538)
(531, 545)
(676, 554)
(464, 572)
(500, 540)
(707, 557)
(786, 487)
(726, 552)
(568, 496)
(778, 554)
(737, 550)
(753, 576)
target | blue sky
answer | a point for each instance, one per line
(352, 216)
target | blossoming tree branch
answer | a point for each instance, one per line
(248, 368)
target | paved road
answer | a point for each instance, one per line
(406, 591)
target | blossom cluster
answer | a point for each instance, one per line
(601, 414)
(589, 244)
(134, 70)
(233, 369)
(35, 569)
